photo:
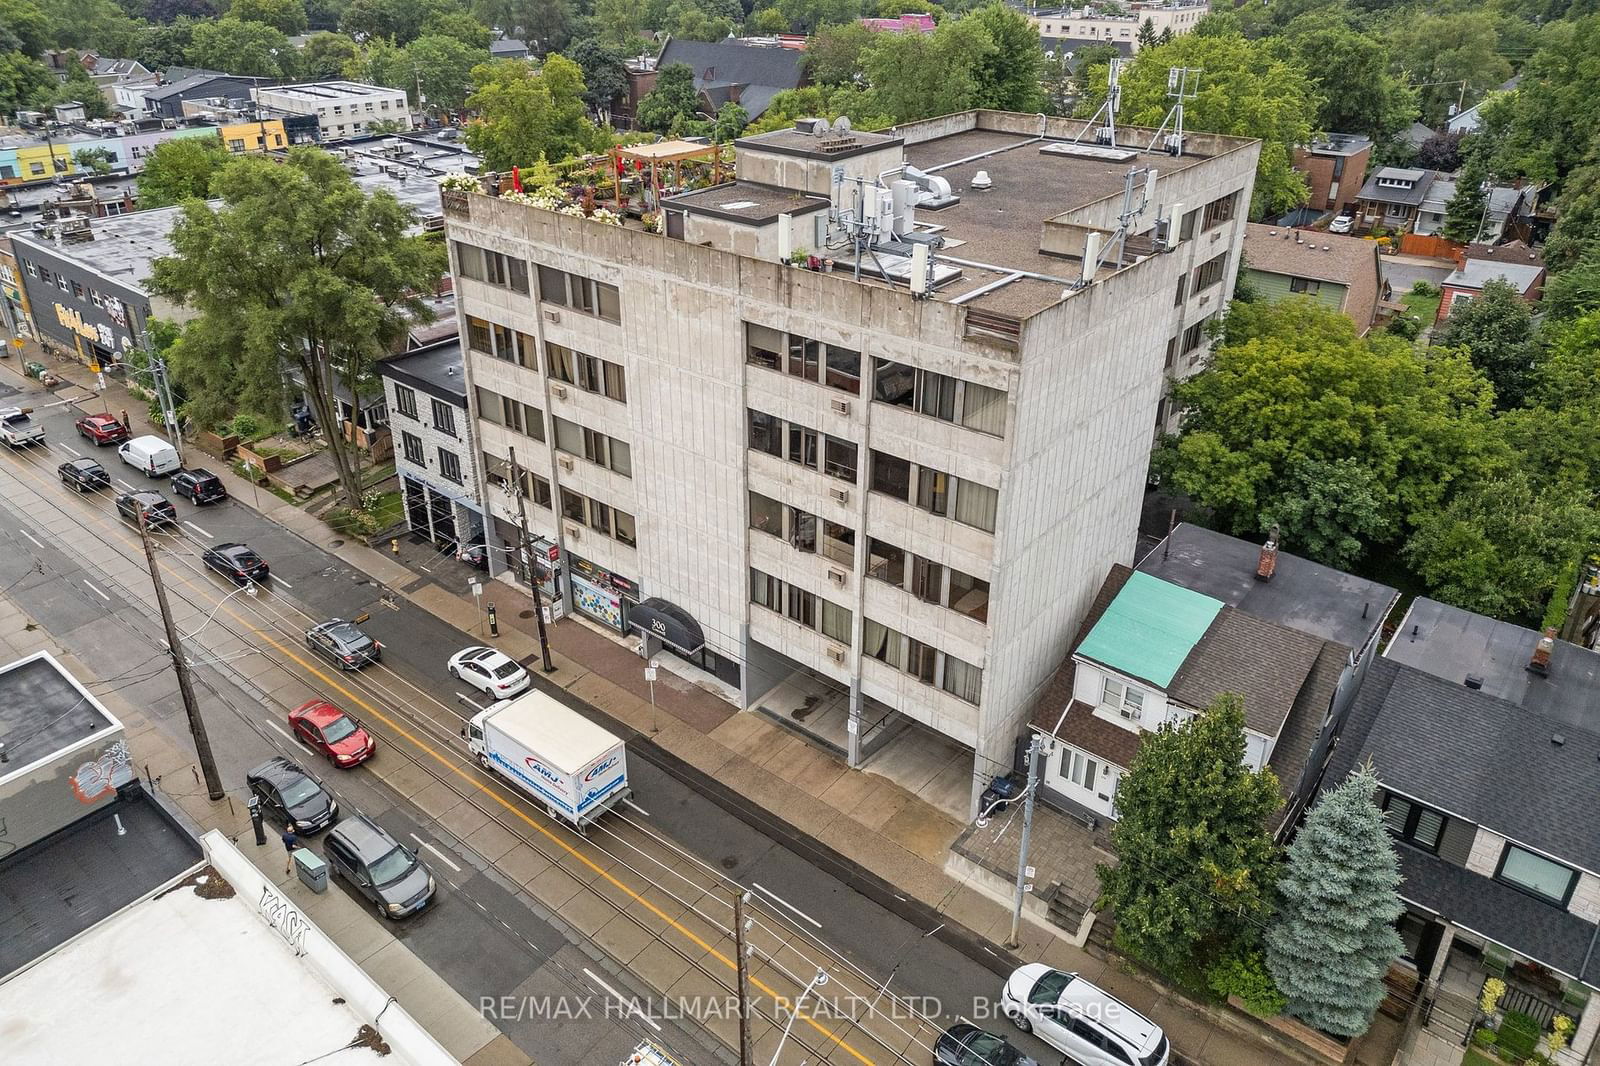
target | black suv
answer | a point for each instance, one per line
(85, 475)
(155, 509)
(236, 562)
(290, 795)
(379, 868)
(343, 644)
(201, 486)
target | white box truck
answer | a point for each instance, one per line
(554, 754)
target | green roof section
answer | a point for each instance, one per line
(1149, 629)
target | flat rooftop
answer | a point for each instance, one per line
(42, 710)
(1302, 595)
(1453, 644)
(323, 92)
(751, 201)
(195, 973)
(435, 369)
(56, 888)
(123, 249)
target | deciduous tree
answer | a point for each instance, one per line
(1350, 72)
(917, 75)
(525, 112)
(287, 16)
(1008, 76)
(604, 75)
(326, 55)
(1495, 330)
(671, 103)
(443, 67)
(1441, 51)
(248, 48)
(546, 25)
(833, 54)
(24, 82)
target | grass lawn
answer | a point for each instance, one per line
(389, 509)
(1425, 307)
(1474, 1057)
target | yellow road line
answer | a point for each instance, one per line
(511, 808)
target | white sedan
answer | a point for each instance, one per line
(490, 671)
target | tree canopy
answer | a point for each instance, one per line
(1495, 330)
(250, 48)
(181, 169)
(672, 103)
(525, 112)
(443, 67)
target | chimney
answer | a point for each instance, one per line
(1267, 563)
(1540, 663)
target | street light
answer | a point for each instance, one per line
(816, 982)
(250, 588)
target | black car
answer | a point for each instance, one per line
(85, 475)
(290, 795)
(201, 486)
(379, 867)
(966, 1045)
(154, 509)
(343, 644)
(236, 562)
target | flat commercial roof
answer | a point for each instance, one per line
(192, 976)
(435, 369)
(55, 889)
(1150, 629)
(42, 710)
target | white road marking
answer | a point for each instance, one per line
(785, 903)
(69, 447)
(636, 807)
(633, 1007)
(96, 591)
(284, 733)
(36, 544)
(280, 581)
(441, 856)
(197, 529)
(125, 485)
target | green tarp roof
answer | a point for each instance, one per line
(1149, 629)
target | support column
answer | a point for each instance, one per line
(853, 726)
(1583, 1037)
(1436, 971)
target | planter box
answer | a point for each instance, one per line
(1320, 1044)
(267, 464)
(217, 444)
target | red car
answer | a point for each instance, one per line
(332, 732)
(102, 429)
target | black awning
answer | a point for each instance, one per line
(668, 623)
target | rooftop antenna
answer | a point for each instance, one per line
(1136, 199)
(1107, 133)
(1183, 83)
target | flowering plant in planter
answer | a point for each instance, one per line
(460, 183)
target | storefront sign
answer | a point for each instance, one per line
(597, 603)
(71, 319)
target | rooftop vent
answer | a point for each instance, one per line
(1540, 663)
(810, 126)
(1557, 739)
(1474, 682)
(981, 181)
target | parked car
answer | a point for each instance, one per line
(321, 725)
(290, 795)
(489, 670)
(343, 644)
(150, 455)
(151, 509)
(102, 430)
(17, 429)
(379, 867)
(237, 562)
(964, 1044)
(201, 486)
(85, 475)
(1092, 1027)
(1342, 223)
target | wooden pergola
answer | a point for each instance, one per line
(649, 159)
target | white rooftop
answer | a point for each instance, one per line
(182, 980)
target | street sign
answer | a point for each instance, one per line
(650, 672)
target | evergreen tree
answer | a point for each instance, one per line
(1464, 213)
(1147, 34)
(1195, 861)
(1333, 937)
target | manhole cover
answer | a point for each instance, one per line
(524, 614)
(337, 544)
(729, 862)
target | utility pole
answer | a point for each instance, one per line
(169, 413)
(526, 549)
(197, 725)
(1034, 750)
(743, 970)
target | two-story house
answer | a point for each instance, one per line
(1485, 739)
(1392, 197)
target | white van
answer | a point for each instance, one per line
(150, 455)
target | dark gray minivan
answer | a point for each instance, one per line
(388, 874)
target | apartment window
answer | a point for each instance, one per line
(444, 418)
(450, 465)
(762, 345)
(1305, 285)
(412, 446)
(969, 595)
(625, 529)
(561, 363)
(1123, 698)
(572, 506)
(587, 372)
(1536, 875)
(766, 514)
(1419, 826)
(922, 660)
(838, 543)
(802, 357)
(536, 488)
(580, 293)
(891, 475)
(1082, 770)
(884, 644)
(496, 471)
(886, 562)
(35, 168)
(802, 446)
(976, 505)
(405, 400)
(803, 531)
(478, 336)
(962, 680)
(594, 446)
(927, 580)
(1194, 336)
(839, 459)
(933, 490)
(553, 285)
(506, 271)
(836, 622)
(1210, 272)
(505, 341)
(235, 144)
(805, 358)
(766, 590)
(943, 397)
(843, 370)
(1219, 211)
(766, 433)
(569, 435)
(600, 517)
(802, 607)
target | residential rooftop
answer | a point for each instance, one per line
(1476, 273)
(1302, 595)
(1149, 629)
(44, 709)
(435, 370)
(1346, 144)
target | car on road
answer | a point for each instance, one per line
(1091, 1026)
(1343, 223)
(17, 429)
(102, 430)
(85, 475)
(150, 455)
(200, 485)
(324, 727)
(489, 670)
(236, 562)
(964, 1044)
(151, 509)
(379, 867)
(343, 644)
(290, 795)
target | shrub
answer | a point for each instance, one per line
(1485, 1038)
(1246, 976)
(1519, 1036)
(246, 427)
(1423, 287)
(1407, 326)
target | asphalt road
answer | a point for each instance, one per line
(489, 937)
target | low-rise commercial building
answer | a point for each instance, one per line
(342, 108)
(1117, 23)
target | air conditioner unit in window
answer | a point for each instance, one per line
(837, 654)
(572, 532)
(839, 495)
(566, 462)
(558, 391)
(552, 316)
(837, 577)
(840, 407)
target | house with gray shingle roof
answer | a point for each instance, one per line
(734, 71)
(1391, 196)
(1341, 272)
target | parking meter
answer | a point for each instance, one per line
(494, 624)
(255, 821)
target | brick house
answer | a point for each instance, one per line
(1467, 283)
(1334, 167)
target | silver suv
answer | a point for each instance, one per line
(1093, 1027)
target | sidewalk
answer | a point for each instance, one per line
(892, 845)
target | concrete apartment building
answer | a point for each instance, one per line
(343, 108)
(1090, 23)
(875, 515)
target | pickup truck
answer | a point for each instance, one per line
(17, 429)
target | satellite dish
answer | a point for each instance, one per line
(841, 124)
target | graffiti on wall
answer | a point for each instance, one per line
(105, 774)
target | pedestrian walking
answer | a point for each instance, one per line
(290, 842)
